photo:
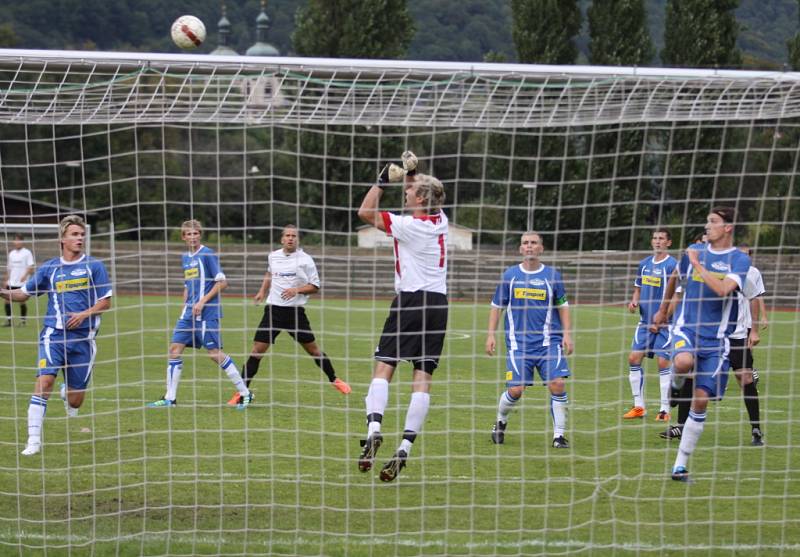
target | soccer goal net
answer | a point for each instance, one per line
(592, 158)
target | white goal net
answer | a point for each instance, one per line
(592, 158)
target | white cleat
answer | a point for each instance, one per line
(32, 449)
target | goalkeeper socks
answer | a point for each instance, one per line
(505, 405)
(174, 369)
(664, 380)
(8, 310)
(691, 434)
(23, 311)
(250, 369)
(417, 412)
(326, 366)
(558, 410)
(233, 374)
(36, 411)
(376, 400)
(751, 403)
(636, 379)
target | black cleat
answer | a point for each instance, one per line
(560, 443)
(758, 438)
(498, 433)
(674, 432)
(371, 445)
(393, 467)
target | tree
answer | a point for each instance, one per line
(353, 29)
(544, 30)
(701, 33)
(793, 45)
(618, 34)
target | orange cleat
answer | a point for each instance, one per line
(341, 386)
(235, 399)
(663, 416)
(635, 412)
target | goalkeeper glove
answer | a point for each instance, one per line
(391, 173)
(409, 163)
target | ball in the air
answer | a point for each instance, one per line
(188, 32)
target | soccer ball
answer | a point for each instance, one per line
(188, 32)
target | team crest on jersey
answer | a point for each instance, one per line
(720, 266)
(648, 280)
(72, 284)
(530, 293)
(537, 282)
(78, 272)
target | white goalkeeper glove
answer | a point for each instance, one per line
(409, 163)
(391, 173)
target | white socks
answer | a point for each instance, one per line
(691, 434)
(376, 401)
(233, 374)
(36, 411)
(505, 405)
(636, 379)
(558, 409)
(664, 380)
(174, 369)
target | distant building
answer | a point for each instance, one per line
(261, 46)
(224, 29)
(459, 238)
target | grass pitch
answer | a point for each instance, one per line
(281, 477)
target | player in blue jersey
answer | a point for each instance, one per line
(78, 291)
(537, 331)
(199, 323)
(712, 273)
(648, 292)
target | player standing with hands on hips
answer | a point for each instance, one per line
(78, 291)
(415, 328)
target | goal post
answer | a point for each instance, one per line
(593, 158)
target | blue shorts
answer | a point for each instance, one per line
(74, 351)
(548, 361)
(652, 344)
(711, 362)
(197, 333)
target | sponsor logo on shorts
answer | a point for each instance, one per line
(509, 375)
(648, 280)
(530, 293)
(42, 363)
(72, 284)
(680, 344)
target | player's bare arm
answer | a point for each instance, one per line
(16, 295)
(633, 305)
(262, 292)
(218, 287)
(566, 326)
(491, 334)
(720, 286)
(75, 319)
(290, 293)
(368, 212)
(762, 320)
(668, 305)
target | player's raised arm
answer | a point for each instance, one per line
(368, 212)
(721, 286)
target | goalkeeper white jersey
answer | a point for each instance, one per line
(290, 270)
(420, 251)
(753, 288)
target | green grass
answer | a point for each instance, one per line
(281, 478)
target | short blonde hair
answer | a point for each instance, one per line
(431, 190)
(68, 221)
(191, 225)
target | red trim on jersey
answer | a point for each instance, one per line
(387, 222)
(435, 218)
(441, 250)
(397, 257)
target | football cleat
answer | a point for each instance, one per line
(663, 416)
(31, 449)
(370, 448)
(341, 386)
(758, 438)
(161, 403)
(560, 443)
(246, 400)
(235, 400)
(674, 432)
(680, 474)
(499, 433)
(393, 467)
(635, 412)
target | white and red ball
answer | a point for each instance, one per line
(188, 32)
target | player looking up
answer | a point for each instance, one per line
(537, 330)
(415, 328)
(649, 290)
(705, 320)
(19, 266)
(78, 291)
(290, 278)
(199, 323)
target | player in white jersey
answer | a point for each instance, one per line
(537, 330)
(199, 323)
(707, 316)
(744, 339)
(417, 321)
(78, 291)
(649, 290)
(290, 279)
(19, 266)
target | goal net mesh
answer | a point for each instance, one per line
(592, 158)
